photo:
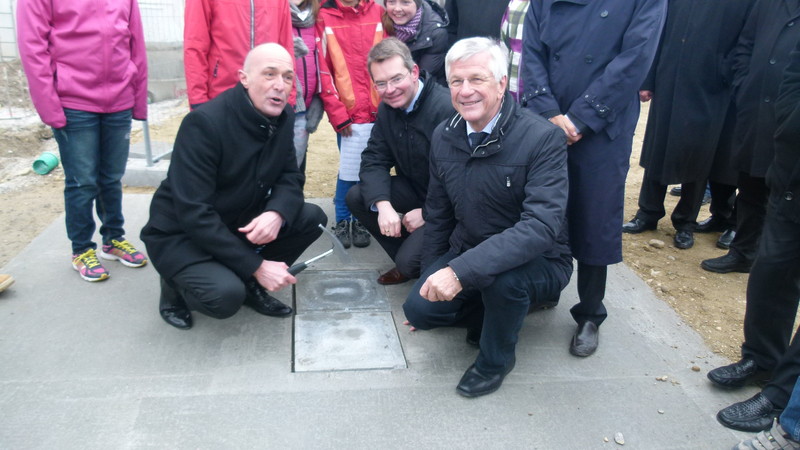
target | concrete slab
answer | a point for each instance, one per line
(93, 366)
(340, 290)
(332, 341)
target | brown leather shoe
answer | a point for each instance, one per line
(392, 277)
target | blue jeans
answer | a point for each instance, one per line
(790, 418)
(94, 151)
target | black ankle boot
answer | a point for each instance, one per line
(173, 308)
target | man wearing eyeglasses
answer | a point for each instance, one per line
(495, 238)
(391, 207)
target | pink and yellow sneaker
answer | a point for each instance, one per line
(124, 252)
(88, 266)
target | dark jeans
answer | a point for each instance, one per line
(94, 152)
(213, 289)
(773, 293)
(498, 308)
(405, 251)
(790, 418)
(684, 216)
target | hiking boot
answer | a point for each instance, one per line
(360, 235)
(124, 252)
(342, 231)
(88, 266)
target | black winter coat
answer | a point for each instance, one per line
(474, 18)
(770, 34)
(229, 164)
(403, 141)
(783, 177)
(430, 45)
(502, 204)
(690, 80)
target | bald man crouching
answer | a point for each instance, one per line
(230, 218)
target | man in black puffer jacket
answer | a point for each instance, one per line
(391, 207)
(495, 235)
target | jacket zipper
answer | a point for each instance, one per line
(252, 24)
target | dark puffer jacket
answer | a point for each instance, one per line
(430, 45)
(503, 204)
(403, 141)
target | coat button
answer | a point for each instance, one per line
(790, 24)
(604, 14)
(556, 56)
(767, 99)
(588, 59)
(772, 61)
(788, 196)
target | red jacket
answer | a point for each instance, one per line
(217, 36)
(344, 37)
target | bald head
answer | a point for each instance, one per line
(268, 75)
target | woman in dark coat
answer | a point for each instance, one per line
(582, 65)
(689, 84)
(420, 24)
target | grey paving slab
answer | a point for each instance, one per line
(92, 366)
(340, 290)
(331, 341)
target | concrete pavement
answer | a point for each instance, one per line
(93, 366)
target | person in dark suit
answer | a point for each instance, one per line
(391, 207)
(773, 289)
(760, 57)
(495, 242)
(230, 216)
(690, 87)
(583, 63)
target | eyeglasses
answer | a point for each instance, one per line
(473, 81)
(381, 86)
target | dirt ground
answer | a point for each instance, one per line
(712, 304)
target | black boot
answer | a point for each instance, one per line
(259, 299)
(173, 308)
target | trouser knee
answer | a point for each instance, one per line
(219, 301)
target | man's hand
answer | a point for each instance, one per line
(569, 128)
(264, 228)
(441, 286)
(273, 275)
(413, 220)
(346, 131)
(645, 96)
(388, 219)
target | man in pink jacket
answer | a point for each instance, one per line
(87, 71)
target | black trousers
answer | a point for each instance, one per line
(723, 200)
(497, 309)
(751, 209)
(406, 250)
(213, 289)
(773, 293)
(591, 291)
(651, 203)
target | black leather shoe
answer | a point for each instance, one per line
(753, 414)
(259, 299)
(725, 239)
(730, 262)
(585, 340)
(474, 384)
(173, 309)
(474, 337)
(738, 374)
(637, 225)
(711, 225)
(683, 239)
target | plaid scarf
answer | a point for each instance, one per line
(409, 30)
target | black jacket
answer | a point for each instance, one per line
(430, 45)
(502, 204)
(403, 141)
(474, 18)
(230, 163)
(761, 55)
(690, 80)
(783, 177)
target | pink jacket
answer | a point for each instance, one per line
(218, 34)
(87, 55)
